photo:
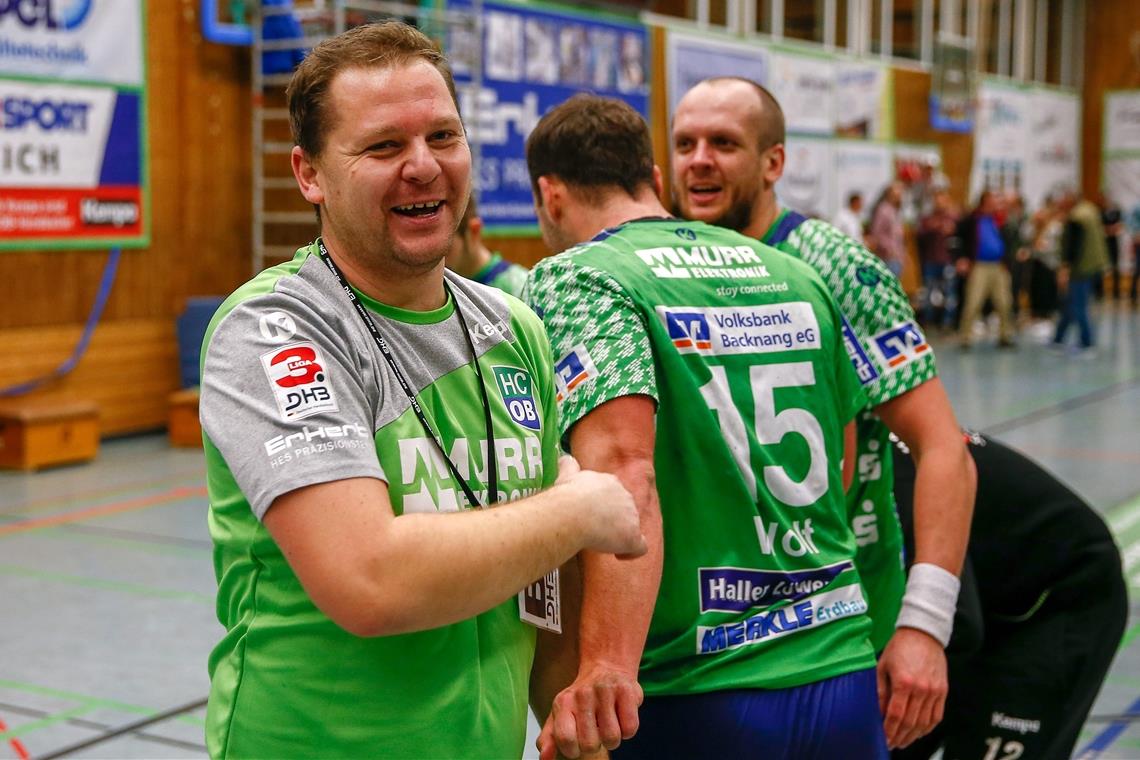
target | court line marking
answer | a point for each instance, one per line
(97, 494)
(1069, 404)
(78, 534)
(94, 725)
(106, 585)
(48, 722)
(99, 702)
(174, 494)
(1109, 735)
(17, 746)
(1124, 516)
(1081, 454)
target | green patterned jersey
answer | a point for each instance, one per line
(502, 274)
(891, 356)
(295, 392)
(741, 348)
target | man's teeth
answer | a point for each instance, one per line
(413, 206)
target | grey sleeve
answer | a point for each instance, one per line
(289, 398)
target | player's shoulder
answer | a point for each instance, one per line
(596, 264)
(276, 298)
(820, 235)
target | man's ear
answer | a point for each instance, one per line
(308, 178)
(475, 229)
(774, 163)
(552, 196)
(658, 182)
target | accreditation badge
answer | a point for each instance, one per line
(540, 603)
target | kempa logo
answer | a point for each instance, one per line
(488, 330)
(95, 212)
(1021, 725)
(277, 327)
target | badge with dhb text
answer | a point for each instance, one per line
(541, 605)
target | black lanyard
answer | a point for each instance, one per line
(386, 351)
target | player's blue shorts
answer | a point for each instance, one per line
(827, 720)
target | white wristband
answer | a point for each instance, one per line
(930, 600)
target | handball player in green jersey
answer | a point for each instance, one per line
(708, 371)
(727, 155)
(381, 448)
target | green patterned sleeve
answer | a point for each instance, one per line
(885, 341)
(599, 337)
(852, 393)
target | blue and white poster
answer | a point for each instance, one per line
(693, 58)
(72, 111)
(534, 58)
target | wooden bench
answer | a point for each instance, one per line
(40, 432)
(182, 426)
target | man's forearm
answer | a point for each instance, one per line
(377, 574)
(945, 479)
(618, 598)
(472, 567)
(618, 595)
(944, 487)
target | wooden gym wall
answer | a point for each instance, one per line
(1112, 62)
(199, 125)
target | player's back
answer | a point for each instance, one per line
(740, 345)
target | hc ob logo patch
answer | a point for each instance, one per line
(515, 387)
(901, 344)
(688, 329)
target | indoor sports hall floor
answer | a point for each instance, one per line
(107, 586)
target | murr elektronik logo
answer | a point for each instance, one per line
(49, 14)
(518, 396)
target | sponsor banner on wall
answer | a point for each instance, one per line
(1053, 160)
(72, 156)
(77, 40)
(1122, 184)
(1122, 121)
(862, 167)
(534, 58)
(806, 184)
(691, 58)
(952, 85)
(860, 100)
(1001, 139)
(805, 88)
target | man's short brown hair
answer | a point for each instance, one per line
(592, 142)
(384, 45)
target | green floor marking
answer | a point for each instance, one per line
(96, 703)
(61, 533)
(47, 722)
(126, 588)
